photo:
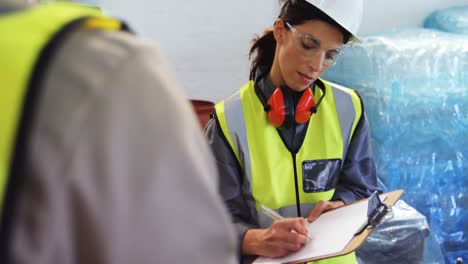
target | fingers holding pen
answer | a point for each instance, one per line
(281, 238)
(286, 236)
(292, 225)
(299, 225)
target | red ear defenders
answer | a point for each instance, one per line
(281, 111)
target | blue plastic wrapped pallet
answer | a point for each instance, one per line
(454, 20)
(414, 84)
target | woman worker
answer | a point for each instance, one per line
(289, 140)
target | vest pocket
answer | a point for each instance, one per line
(320, 175)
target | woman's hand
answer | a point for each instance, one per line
(322, 207)
(277, 240)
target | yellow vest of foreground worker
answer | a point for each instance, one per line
(270, 169)
(28, 38)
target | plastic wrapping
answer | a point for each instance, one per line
(401, 239)
(454, 19)
(414, 84)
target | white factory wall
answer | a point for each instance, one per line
(206, 42)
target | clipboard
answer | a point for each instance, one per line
(375, 214)
(356, 242)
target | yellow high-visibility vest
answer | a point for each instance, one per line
(268, 166)
(28, 37)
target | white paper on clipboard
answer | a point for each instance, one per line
(330, 233)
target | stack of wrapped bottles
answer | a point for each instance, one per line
(414, 84)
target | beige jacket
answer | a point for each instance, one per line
(117, 169)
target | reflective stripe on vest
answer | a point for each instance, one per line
(24, 34)
(261, 152)
(268, 164)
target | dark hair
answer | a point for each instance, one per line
(294, 12)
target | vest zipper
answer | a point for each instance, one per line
(296, 185)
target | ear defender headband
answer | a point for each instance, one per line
(280, 106)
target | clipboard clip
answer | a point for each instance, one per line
(376, 211)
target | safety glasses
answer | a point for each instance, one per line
(310, 46)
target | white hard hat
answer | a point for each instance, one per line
(347, 13)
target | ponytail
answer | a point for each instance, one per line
(262, 52)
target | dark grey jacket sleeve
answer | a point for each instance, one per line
(358, 178)
(231, 178)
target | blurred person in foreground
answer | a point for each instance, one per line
(101, 157)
